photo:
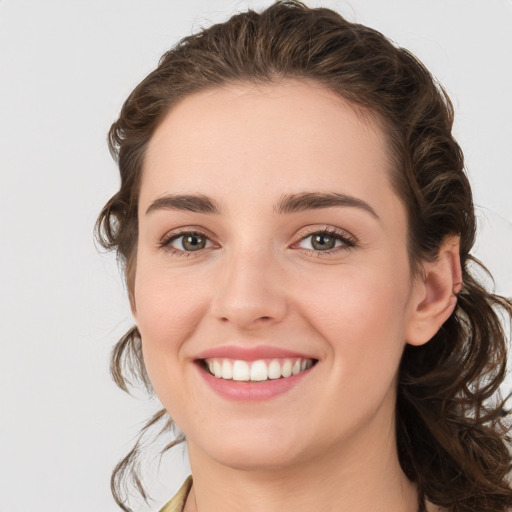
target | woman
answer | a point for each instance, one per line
(296, 226)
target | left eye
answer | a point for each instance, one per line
(189, 242)
(323, 242)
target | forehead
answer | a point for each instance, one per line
(274, 138)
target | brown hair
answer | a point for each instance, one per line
(450, 435)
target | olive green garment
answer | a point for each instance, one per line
(178, 501)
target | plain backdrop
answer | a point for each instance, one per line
(65, 69)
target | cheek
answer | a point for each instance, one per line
(169, 309)
(361, 312)
(352, 297)
(362, 316)
(167, 299)
(165, 314)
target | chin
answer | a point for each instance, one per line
(254, 460)
(261, 450)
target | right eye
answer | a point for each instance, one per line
(186, 242)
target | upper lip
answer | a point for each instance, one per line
(250, 353)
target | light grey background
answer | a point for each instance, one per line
(65, 69)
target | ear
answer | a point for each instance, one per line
(435, 292)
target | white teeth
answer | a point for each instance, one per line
(217, 368)
(274, 370)
(286, 369)
(259, 371)
(256, 371)
(240, 370)
(227, 369)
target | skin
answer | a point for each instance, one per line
(259, 281)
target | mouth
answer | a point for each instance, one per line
(260, 370)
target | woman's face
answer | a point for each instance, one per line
(271, 242)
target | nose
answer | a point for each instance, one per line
(250, 291)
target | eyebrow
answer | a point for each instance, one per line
(289, 203)
(189, 203)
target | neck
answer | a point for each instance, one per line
(356, 476)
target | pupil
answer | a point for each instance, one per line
(193, 242)
(323, 242)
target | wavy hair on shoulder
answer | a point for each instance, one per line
(451, 435)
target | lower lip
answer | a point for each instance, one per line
(252, 391)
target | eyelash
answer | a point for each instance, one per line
(166, 241)
(348, 242)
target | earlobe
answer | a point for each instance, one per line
(435, 294)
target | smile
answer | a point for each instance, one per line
(256, 371)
